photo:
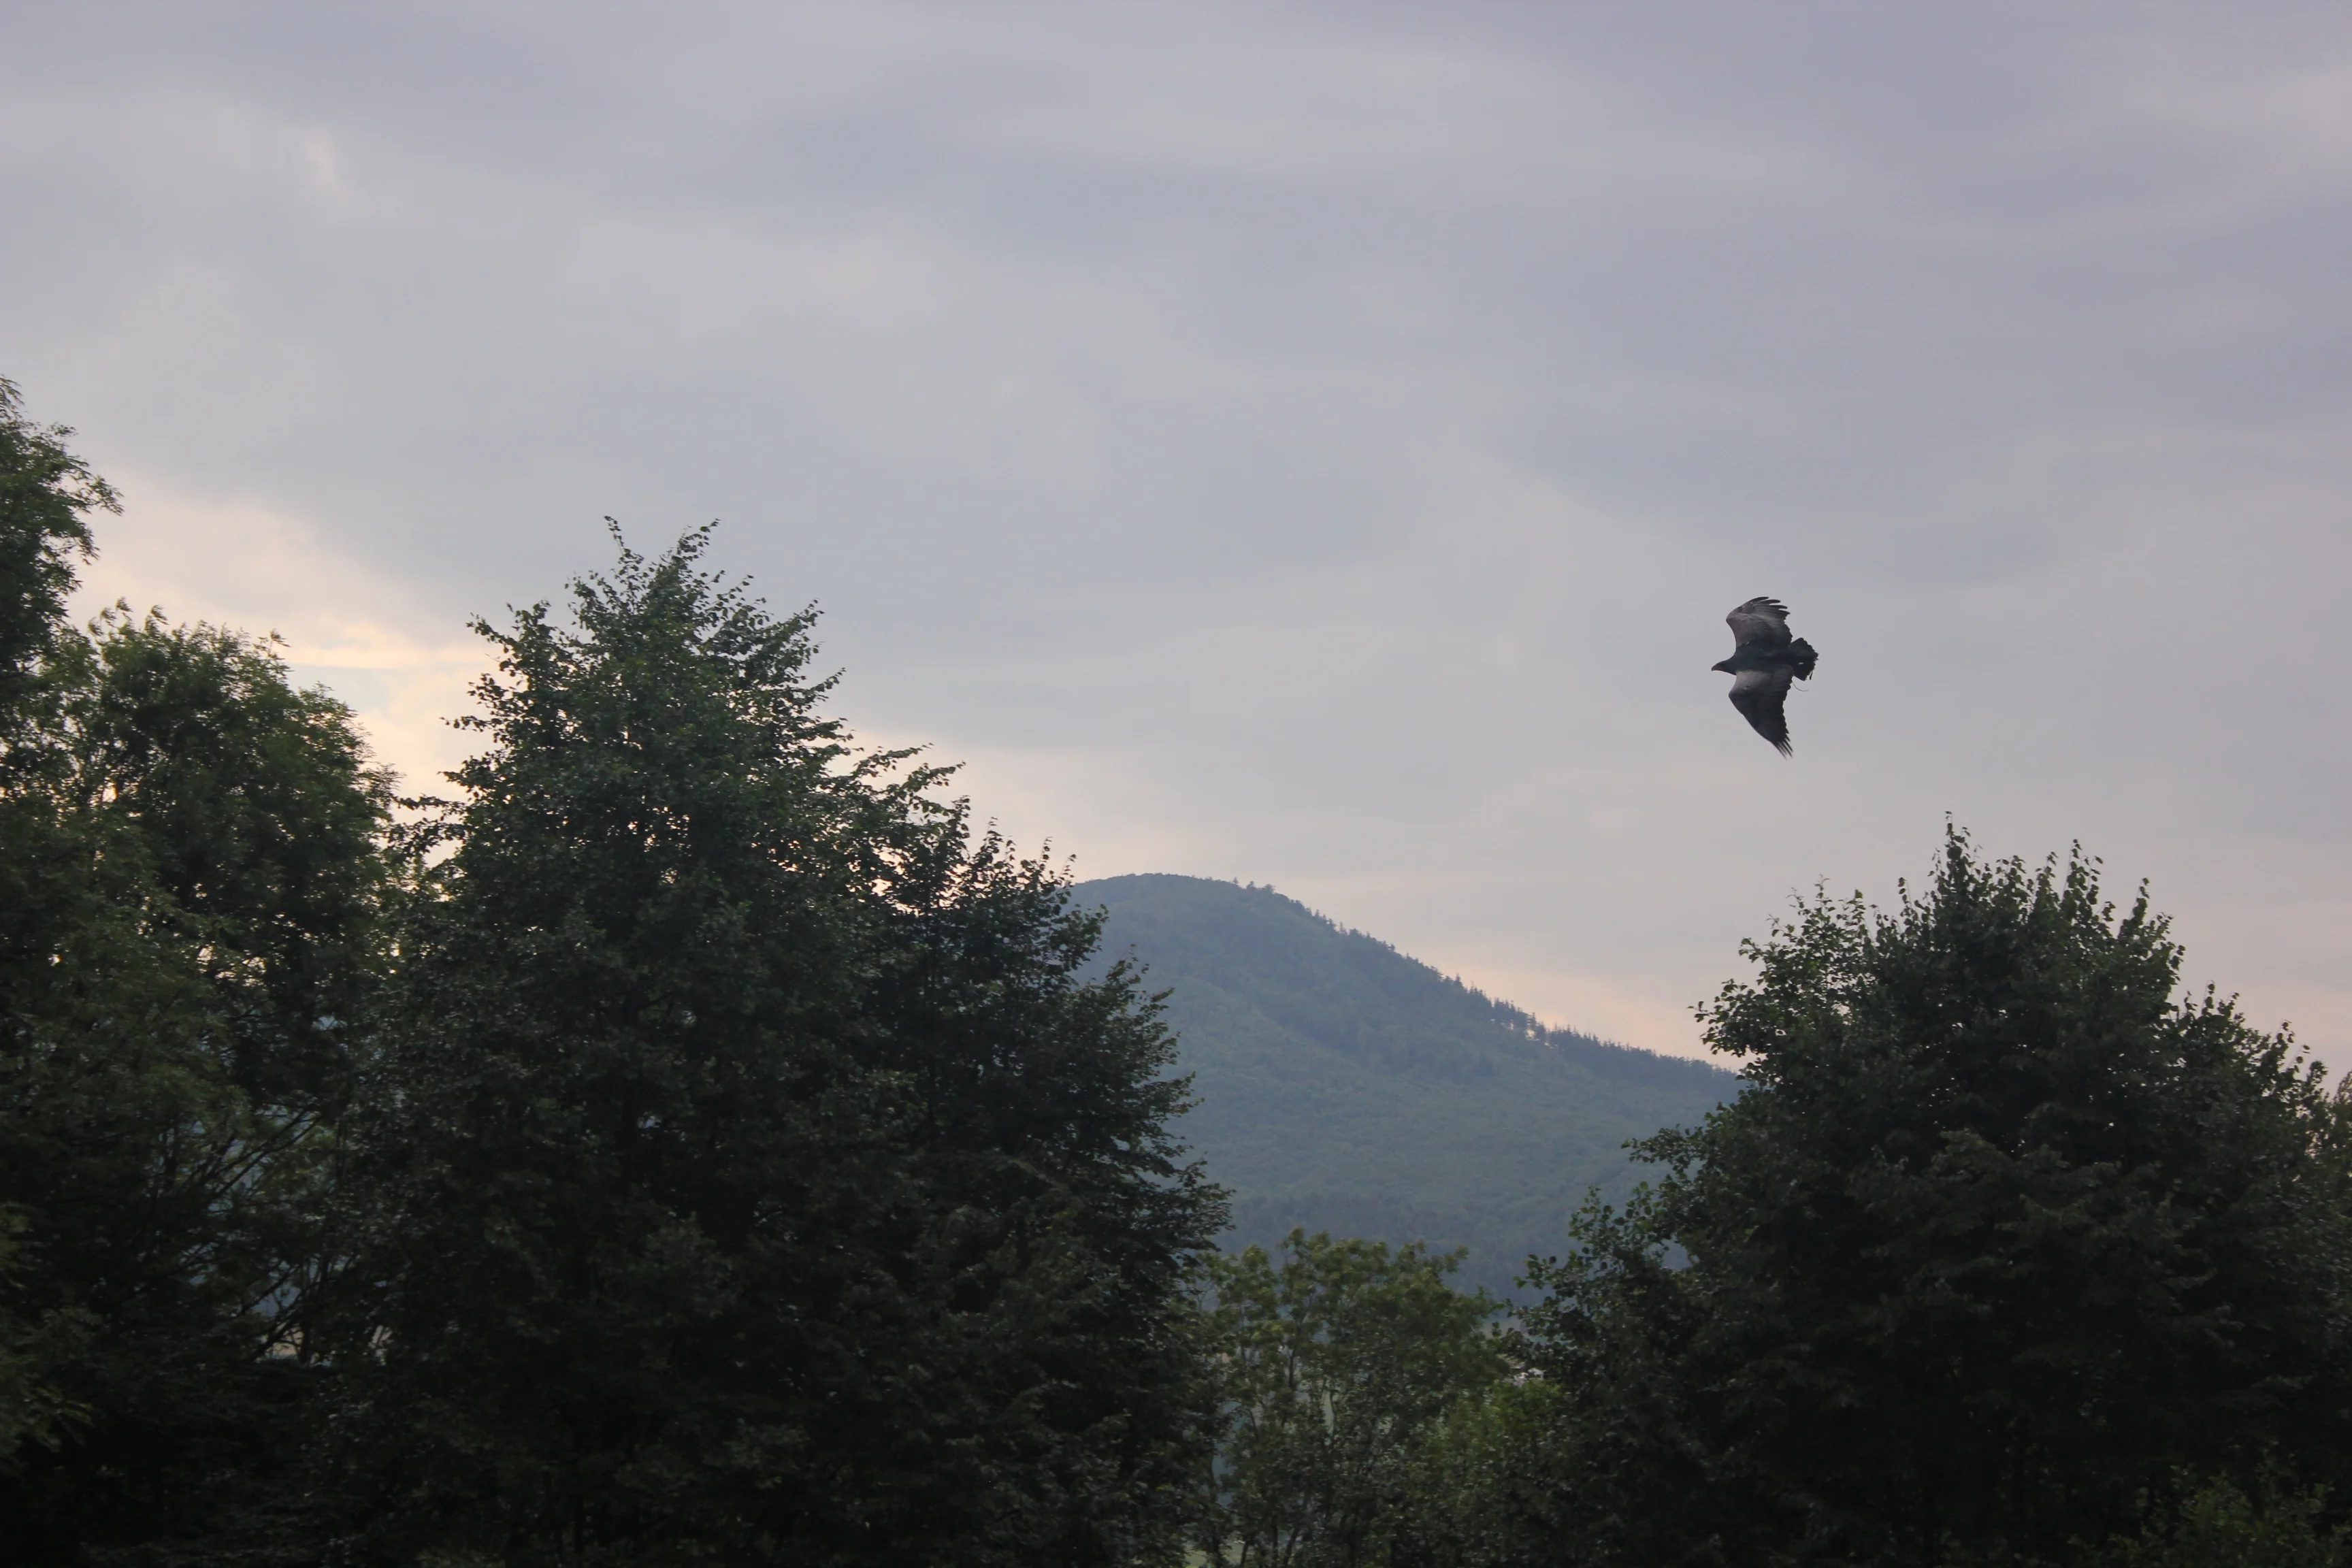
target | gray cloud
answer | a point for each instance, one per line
(1313, 444)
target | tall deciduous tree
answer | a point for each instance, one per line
(189, 879)
(754, 1176)
(2002, 1240)
(45, 495)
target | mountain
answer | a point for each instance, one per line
(1345, 1086)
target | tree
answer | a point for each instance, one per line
(2001, 1240)
(46, 495)
(751, 1176)
(188, 890)
(1336, 1360)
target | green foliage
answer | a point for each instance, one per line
(1484, 1492)
(753, 1176)
(1336, 1359)
(187, 902)
(2219, 1525)
(1344, 1087)
(690, 1144)
(2000, 1239)
(46, 495)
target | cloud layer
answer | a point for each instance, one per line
(1308, 444)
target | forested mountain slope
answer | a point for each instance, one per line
(1344, 1086)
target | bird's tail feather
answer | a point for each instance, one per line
(1801, 657)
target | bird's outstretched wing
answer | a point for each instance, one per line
(1760, 624)
(1762, 696)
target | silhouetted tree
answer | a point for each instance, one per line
(751, 1178)
(2002, 1240)
(190, 880)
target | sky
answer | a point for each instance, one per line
(1309, 445)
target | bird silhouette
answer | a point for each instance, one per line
(1764, 658)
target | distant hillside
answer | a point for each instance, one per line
(1345, 1086)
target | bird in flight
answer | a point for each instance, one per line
(1763, 659)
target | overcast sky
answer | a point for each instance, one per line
(1312, 445)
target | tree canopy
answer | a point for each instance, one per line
(692, 1141)
(1335, 1359)
(189, 897)
(2004, 1239)
(752, 1173)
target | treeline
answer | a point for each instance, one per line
(691, 1142)
(2004, 1256)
